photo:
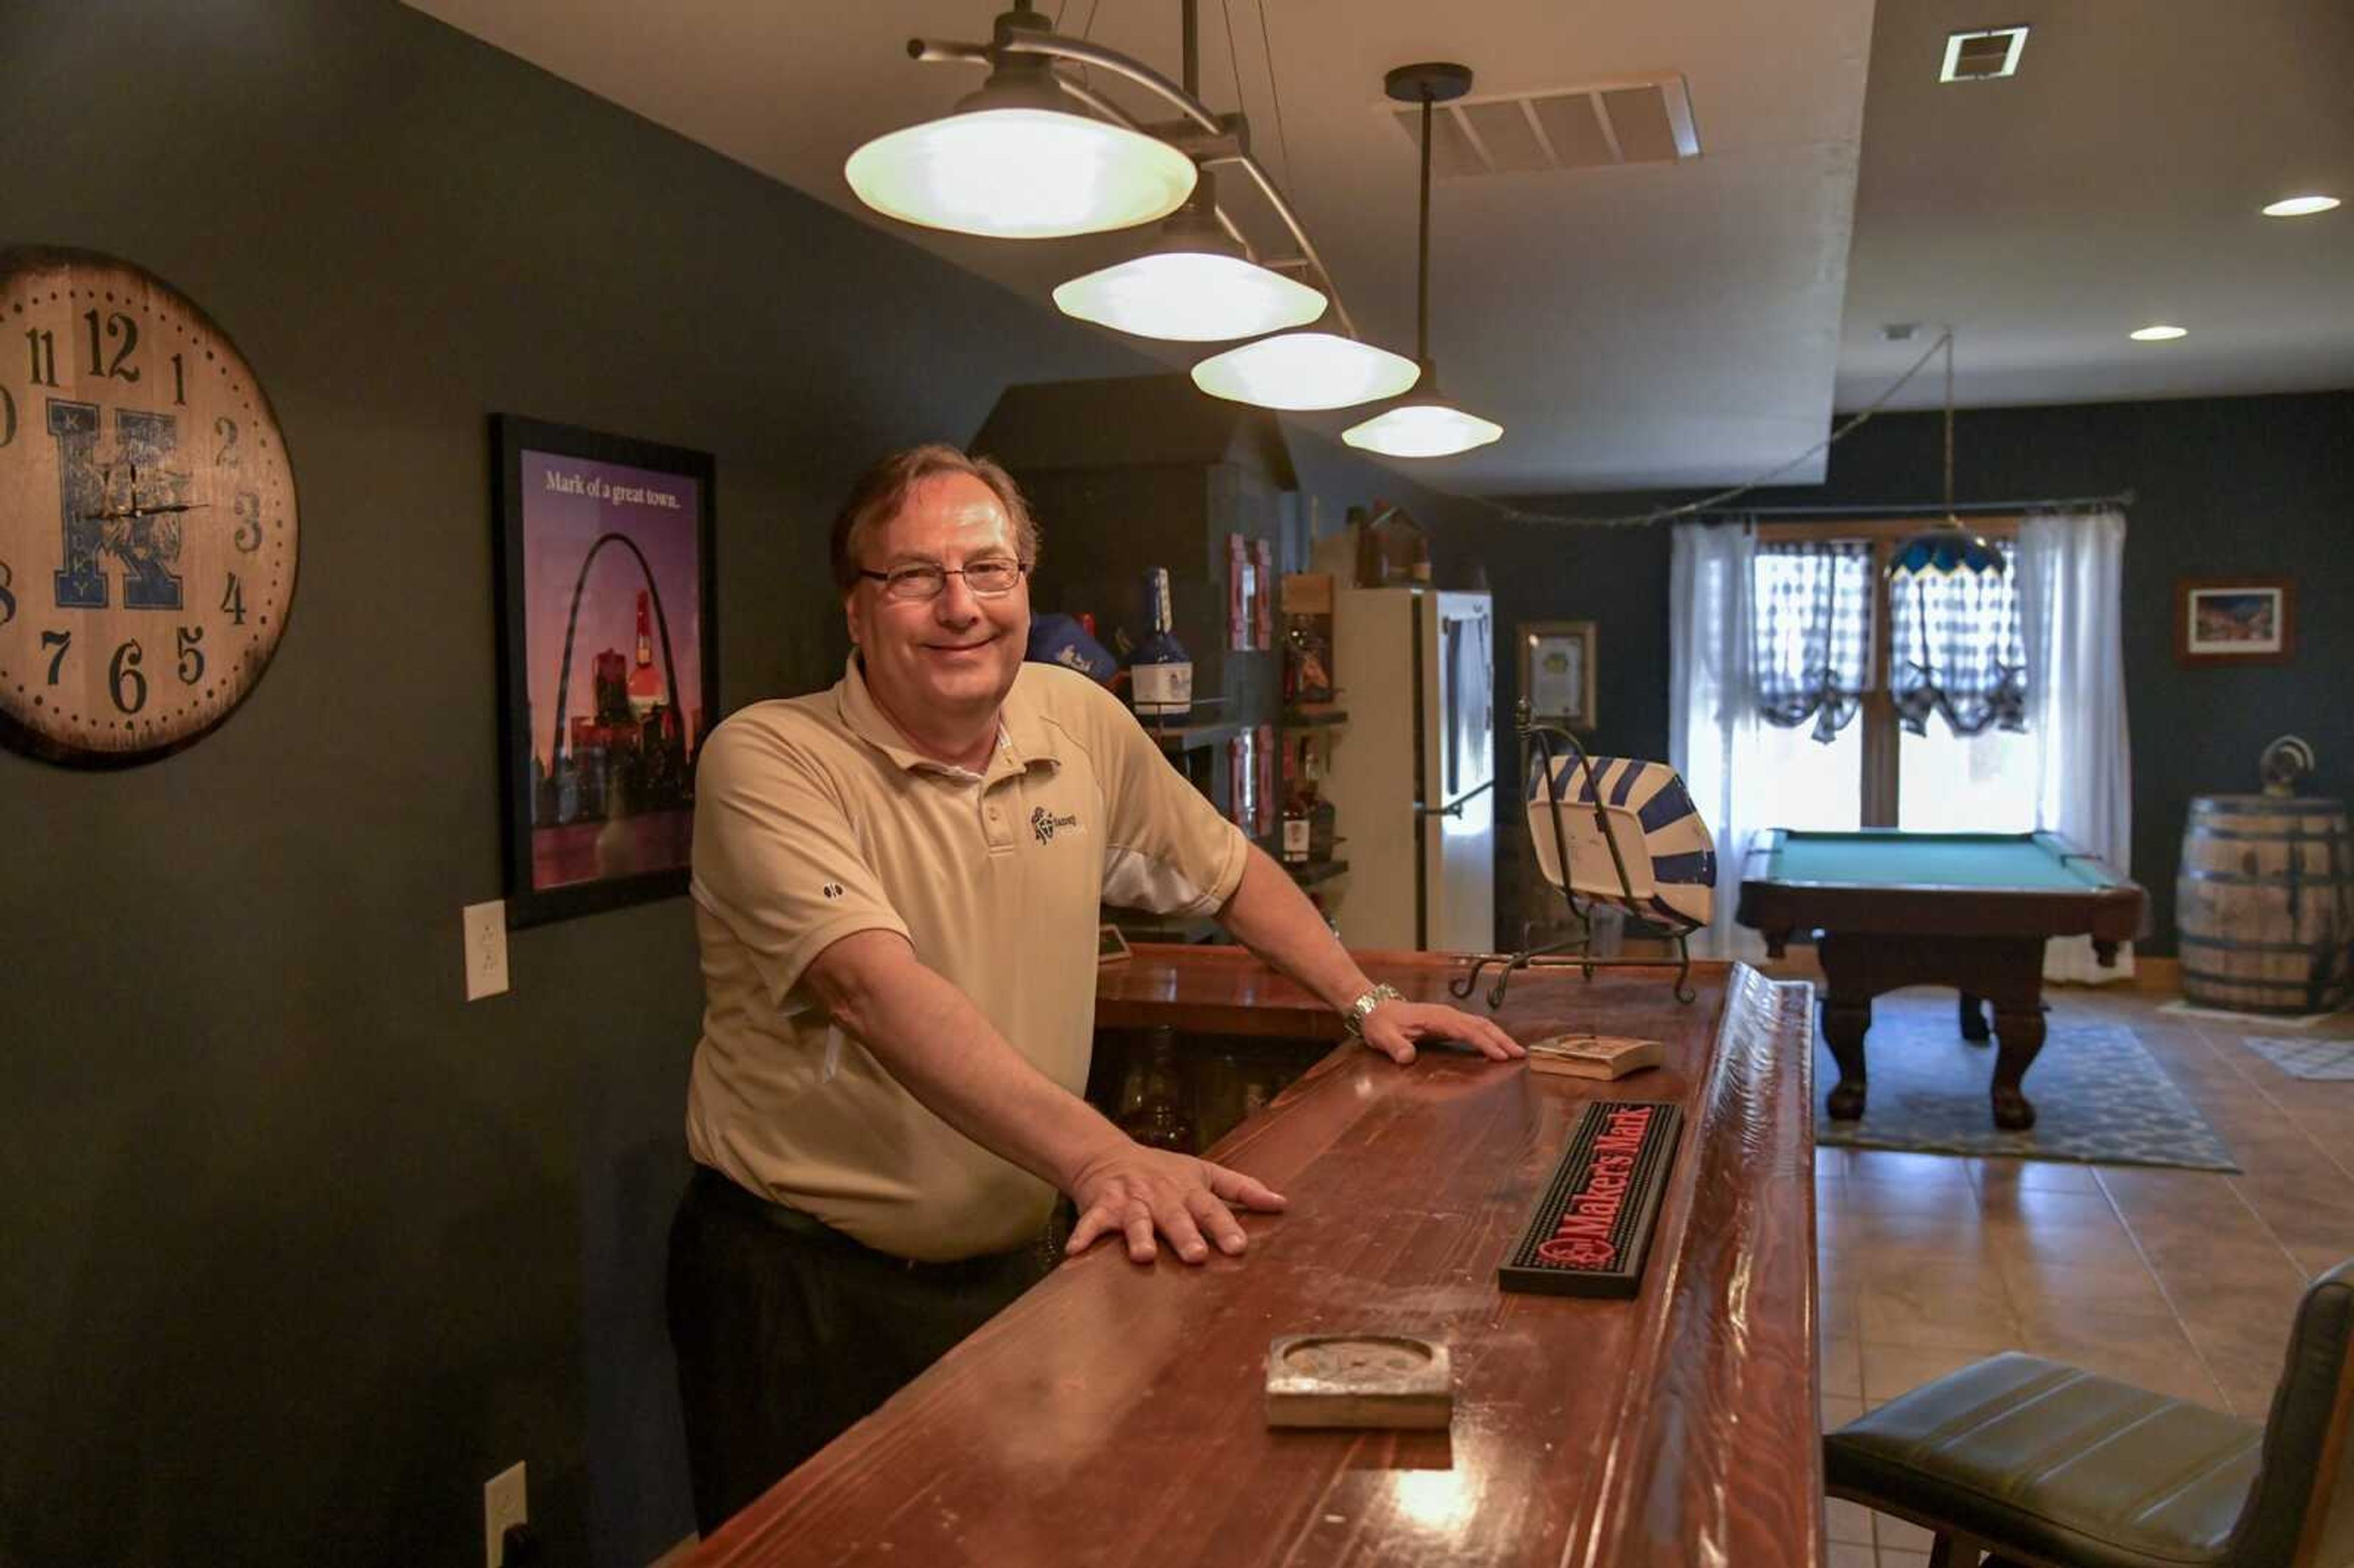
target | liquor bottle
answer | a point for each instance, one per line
(1307, 669)
(1296, 838)
(1159, 1119)
(1161, 682)
(646, 692)
(1322, 819)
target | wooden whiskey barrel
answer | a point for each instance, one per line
(2265, 905)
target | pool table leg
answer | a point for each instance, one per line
(2021, 1031)
(1974, 1023)
(1845, 1023)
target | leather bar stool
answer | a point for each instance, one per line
(2043, 1463)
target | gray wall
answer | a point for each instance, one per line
(300, 1247)
(2259, 485)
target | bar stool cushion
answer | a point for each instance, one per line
(2054, 1462)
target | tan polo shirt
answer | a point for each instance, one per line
(813, 820)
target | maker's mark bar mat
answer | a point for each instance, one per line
(1591, 1231)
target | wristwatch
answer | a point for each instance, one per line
(1353, 1019)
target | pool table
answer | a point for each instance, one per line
(1968, 910)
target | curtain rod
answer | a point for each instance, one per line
(2122, 498)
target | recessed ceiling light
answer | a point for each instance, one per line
(1982, 56)
(2300, 206)
(2158, 334)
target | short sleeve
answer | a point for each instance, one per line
(1170, 851)
(777, 859)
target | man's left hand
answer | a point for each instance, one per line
(1394, 1026)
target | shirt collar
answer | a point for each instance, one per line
(1024, 737)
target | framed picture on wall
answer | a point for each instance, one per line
(1557, 672)
(609, 663)
(2234, 620)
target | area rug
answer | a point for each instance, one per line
(2305, 1058)
(2100, 1097)
(2270, 1019)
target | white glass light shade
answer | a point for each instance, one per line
(1304, 370)
(2157, 334)
(2300, 206)
(1189, 296)
(1422, 430)
(1021, 174)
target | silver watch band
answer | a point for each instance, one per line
(1353, 1020)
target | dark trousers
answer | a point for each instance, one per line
(786, 1331)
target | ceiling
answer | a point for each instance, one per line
(1671, 323)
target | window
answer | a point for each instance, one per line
(1847, 670)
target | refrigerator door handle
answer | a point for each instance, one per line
(1455, 808)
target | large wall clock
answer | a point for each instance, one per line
(148, 531)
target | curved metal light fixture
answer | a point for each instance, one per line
(1194, 285)
(1426, 425)
(1945, 547)
(978, 191)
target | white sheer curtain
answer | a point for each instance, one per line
(1712, 724)
(2071, 575)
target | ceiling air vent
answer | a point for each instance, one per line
(1982, 57)
(1630, 120)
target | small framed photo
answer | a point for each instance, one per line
(2234, 620)
(609, 663)
(1557, 672)
(1110, 945)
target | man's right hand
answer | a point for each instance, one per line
(1137, 1191)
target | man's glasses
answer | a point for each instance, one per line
(987, 580)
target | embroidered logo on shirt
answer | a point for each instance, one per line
(1044, 822)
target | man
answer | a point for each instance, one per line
(897, 885)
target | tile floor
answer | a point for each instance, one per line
(2180, 1280)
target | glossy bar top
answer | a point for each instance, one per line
(1114, 1414)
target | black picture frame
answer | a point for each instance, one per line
(596, 794)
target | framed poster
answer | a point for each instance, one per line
(608, 660)
(1557, 672)
(2234, 620)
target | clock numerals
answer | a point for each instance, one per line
(7, 418)
(122, 673)
(249, 521)
(179, 381)
(61, 641)
(7, 599)
(227, 430)
(192, 658)
(117, 325)
(45, 356)
(233, 601)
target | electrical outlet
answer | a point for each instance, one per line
(506, 1502)
(486, 949)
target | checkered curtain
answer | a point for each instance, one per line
(1956, 650)
(1812, 633)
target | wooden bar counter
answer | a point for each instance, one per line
(1114, 1415)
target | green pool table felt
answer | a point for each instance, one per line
(1932, 860)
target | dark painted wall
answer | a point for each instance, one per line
(300, 1247)
(2259, 485)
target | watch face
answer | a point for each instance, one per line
(148, 530)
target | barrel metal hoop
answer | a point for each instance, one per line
(2317, 949)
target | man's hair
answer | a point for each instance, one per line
(882, 491)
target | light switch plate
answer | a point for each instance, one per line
(506, 1499)
(486, 949)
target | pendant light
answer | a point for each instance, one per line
(1194, 285)
(1426, 425)
(1020, 159)
(1303, 371)
(1945, 547)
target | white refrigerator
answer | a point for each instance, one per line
(1413, 776)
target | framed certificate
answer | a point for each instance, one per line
(1557, 672)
